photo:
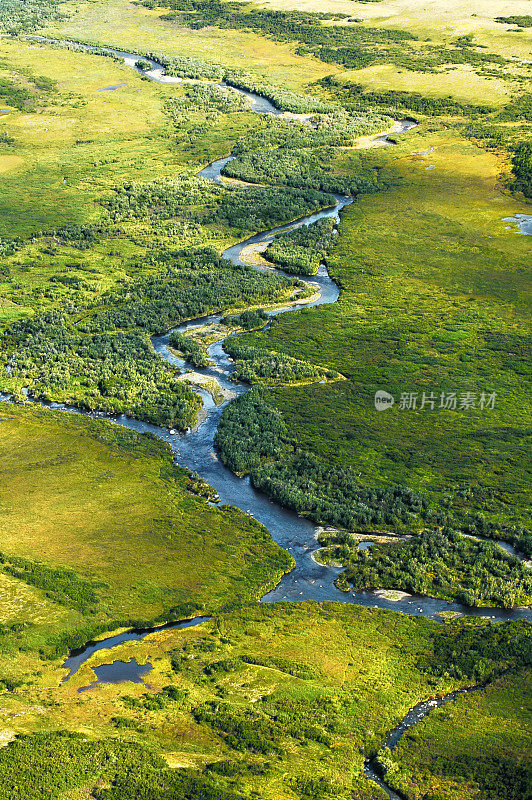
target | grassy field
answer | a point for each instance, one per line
(478, 747)
(281, 63)
(354, 671)
(282, 701)
(434, 299)
(108, 503)
(80, 143)
(135, 27)
(431, 19)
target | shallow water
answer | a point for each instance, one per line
(112, 88)
(523, 223)
(119, 672)
(78, 657)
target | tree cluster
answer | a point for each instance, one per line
(256, 365)
(444, 564)
(303, 249)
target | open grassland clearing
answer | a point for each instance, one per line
(78, 142)
(430, 19)
(275, 698)
(142, 29)
(108, 504)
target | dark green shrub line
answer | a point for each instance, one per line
(252, 438)
(354, 95)
(522, 169)
(522, 21)
(301, 169)
(61, 585)
(248, 320)
(192, 351)
(17, 17)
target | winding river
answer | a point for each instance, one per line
(195, 451)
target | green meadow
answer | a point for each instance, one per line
(434, 299)
(279, 701)
(108, 504)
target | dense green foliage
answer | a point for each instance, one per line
(519, 108)
(164, 199)
(303, 249)
(336, 129)
(248, 320)
(62, 585)
(356, 96)
(22, 17)
(241, 207)
(47, 765)
(312, 168)
(522, 20)
(254, 209)
(479, 651)
(252, 437)
(256, 365)
(105, 361)
(443, 564)
(192, 350)
(522, 168)
(263, 729)
(207, 98)
(187, 67)
(194, 282)
(249, 432)
(116, 372)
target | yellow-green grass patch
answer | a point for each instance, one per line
(107, 503)
(141, 29)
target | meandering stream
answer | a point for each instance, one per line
(195, 451)
(195, 448)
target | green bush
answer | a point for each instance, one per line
(303, 249)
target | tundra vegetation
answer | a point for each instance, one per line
(438, 563)
(107, 236)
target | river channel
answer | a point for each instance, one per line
(195, 451)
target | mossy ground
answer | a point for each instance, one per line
(477, 747)
(109, 504)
